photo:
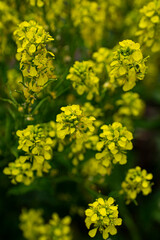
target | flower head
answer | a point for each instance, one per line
(130, 104)
(20, 170)
(72, 121)
(103, 215)
(136, 181)
(149, 26)
(60, 228)
(84, 79)
(33, 226)
(8, 23)
(102, 59)
(90, 18)
(37, 142)
(31, 222)
(35, 61)
(128, 65)
(115, 141)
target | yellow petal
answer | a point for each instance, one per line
(110, 200)
(32, 48)
(92, 232)
(112, 230)
(105, 234)
(94, 217)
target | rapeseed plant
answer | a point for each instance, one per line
(63, 138)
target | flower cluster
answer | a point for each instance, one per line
(33, 226)
(90, 139)
(149, 26)
(90, 18)
(91, 168)
(56, 14)
(103, 214)
(36, 141)
(114, 14)
(79, 147)
(35, 61)
(115, 141)
(130, 106)
(136, 181)
(75, 154)
(30, 223)
(20, 170)
(90, 110)
(102, 59)
(84, 79)
(33, 140)
(73, 122)
(59, 228)
(8, 22)
(128, 65)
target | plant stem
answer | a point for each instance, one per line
(129, 222)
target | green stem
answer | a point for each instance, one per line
(126, 216)
(129, 222)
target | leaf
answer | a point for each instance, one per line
(9, 101)
(40, 104)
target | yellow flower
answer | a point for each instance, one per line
(102, 59)
(149, 26)
(90, 18)
(91, 168)
(8, 23)
(130, 107)
(33, 226)
(73, 122)
(114, 14)
(60, 228)
(84, 79)
(130, 104)
(90, 110)
(35, 61)
(37, 142)
(79, 147)
(20, 171)
(103, 216)
(136, 181)
(114, 142)
(30, 223)
(128, 65)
